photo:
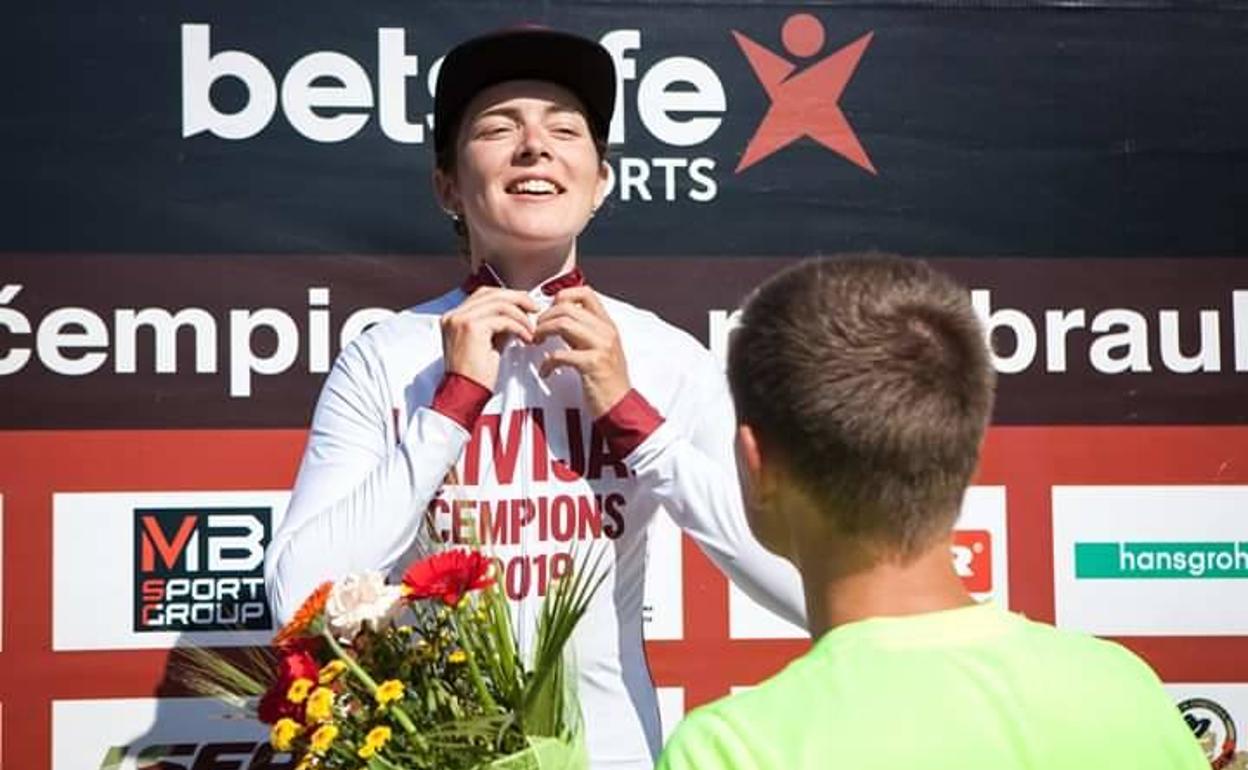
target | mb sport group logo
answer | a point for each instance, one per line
(200, 569)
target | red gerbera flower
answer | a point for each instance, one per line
(448, 576)
(294, 665)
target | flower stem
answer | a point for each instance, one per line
(474, 671)
(358, 671)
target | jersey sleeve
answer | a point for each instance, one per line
(359, 499)
(691, 471)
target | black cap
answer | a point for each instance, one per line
(524, 53)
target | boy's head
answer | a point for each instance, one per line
(863, 385)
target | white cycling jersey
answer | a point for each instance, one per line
(527, 473)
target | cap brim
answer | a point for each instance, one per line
(532, 53)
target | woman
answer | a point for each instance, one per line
(524, 411)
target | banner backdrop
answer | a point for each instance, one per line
(206, 201)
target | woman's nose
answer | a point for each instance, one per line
(532, 143)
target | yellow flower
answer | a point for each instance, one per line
(459, 656)
(283, 733)
(389, 691)
(320, 705)
(324, 735)
(299, 690)
(307, 762)
(375, 741)
(331, 671)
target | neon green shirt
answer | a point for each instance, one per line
(962, 689)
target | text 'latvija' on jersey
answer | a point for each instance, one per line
(402, 456)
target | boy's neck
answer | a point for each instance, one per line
(856, 587)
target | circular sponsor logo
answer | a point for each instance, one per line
(1214, 729)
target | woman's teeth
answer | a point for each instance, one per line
(538, 186)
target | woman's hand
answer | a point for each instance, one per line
(473, 334)
(594, 350)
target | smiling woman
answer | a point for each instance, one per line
(525, 176)
(524, 405)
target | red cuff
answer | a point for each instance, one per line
(628, 423)
(461, 399)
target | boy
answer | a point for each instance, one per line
(863, 388)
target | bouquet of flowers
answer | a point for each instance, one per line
(424, 674)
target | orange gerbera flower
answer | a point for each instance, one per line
(309, 611)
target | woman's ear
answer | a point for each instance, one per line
(604, 184)
(448, 193)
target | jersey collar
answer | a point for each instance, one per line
(486, 276)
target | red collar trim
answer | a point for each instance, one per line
(485, 276)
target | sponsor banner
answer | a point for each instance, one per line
(2, 615)
(169, 733)
(250, 128)
(117, 341)
(663, 611)
(1218, 716)
(981, 545)
(150, 570)
(671, 708)
(979, 552)
(1151, 560)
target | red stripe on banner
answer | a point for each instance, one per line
(1028, 461)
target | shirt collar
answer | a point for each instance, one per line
(487, 276)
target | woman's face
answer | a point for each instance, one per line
(527, 175)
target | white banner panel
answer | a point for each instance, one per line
(1151, 560)
(664, 607)
(144, 570)
(136, 733)
(671, 708)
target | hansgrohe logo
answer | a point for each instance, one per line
(1107, 561)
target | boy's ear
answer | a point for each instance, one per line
(750, 457)
(760, 489)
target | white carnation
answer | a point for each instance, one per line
(359, 599)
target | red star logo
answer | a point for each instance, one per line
(805, 103)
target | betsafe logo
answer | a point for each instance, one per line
(804, 103)
(200, 569)
(680, 101)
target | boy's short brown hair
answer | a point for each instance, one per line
(869, 377)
